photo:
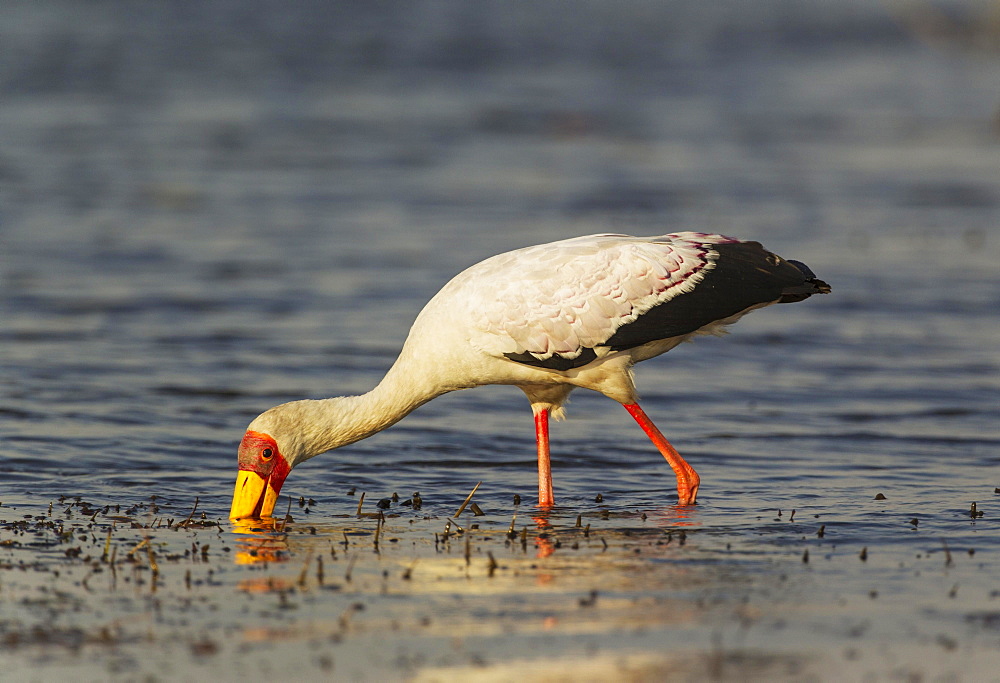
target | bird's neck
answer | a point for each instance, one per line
(334, 422)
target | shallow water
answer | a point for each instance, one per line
(205, 211)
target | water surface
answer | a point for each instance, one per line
(207, 210)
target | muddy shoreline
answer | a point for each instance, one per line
(158, 591)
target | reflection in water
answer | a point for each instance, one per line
(260, 541)
(543, 541)
(675, 515)
(269, 584)
(254, 526)
(666, 517)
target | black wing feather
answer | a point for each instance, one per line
(745, 275)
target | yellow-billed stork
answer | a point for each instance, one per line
(549, 318)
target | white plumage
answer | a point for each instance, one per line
(562, 297)
(547, 318)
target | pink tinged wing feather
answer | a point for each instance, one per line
(563, 297)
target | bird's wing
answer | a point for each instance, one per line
(557, 303)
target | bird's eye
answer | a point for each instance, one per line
(266, 454)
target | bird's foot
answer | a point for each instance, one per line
(687, 488)
(686, 498)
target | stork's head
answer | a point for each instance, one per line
(268, 452)
(262, 471)
(285, 436)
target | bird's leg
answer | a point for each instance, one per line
(545, 497)
(687, 478)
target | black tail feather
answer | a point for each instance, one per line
(812, 285)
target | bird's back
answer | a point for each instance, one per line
(564, 304)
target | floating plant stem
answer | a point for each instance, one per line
(361, 502)
(186, 521)
(447, 529)
(139, 546)
(288, 515)
(461, 508)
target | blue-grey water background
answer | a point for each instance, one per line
(208, 208)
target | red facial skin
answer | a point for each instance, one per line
(259, 454)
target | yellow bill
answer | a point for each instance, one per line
(253, 497)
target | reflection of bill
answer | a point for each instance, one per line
(260, 542)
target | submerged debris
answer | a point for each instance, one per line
(177, 568)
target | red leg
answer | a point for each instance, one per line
(687, 478)
(545, 497)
